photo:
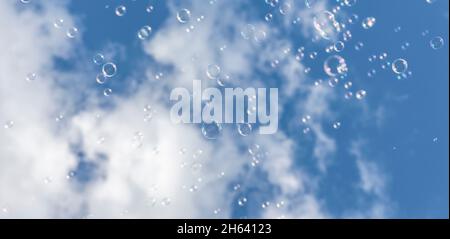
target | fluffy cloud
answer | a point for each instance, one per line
(129, 160)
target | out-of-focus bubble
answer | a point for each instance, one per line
(437, 43)
(72, 32)
(31, 77)
(268, 17)
(272, 3)
(242, 201)
(326, 25)
(333, 82)
(149, 8)
(98, 59)
(349, 3)
(335, 65)
(109, 69)
(399, 66)
(211, 130)
(58, 23)
(144, 32)
(107, 92)
(285, 8)
(244, 129)
(121, 10)
(8, 124)
(339, 46)
(361, 94)
(101, 79)
(213, 71)
(337, 125)
(184, 16)
(248, 32)
(368, 23)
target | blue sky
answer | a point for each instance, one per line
(388, 159)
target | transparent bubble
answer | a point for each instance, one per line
(368, 23)
(213, 71)
(109, 69)
(98, 59)
(72, 32)
(149, 8)
(107, 92)
(31, 77)
(144, 32)
(58, 23)
(272, 3)
(101, 78)
(25, 1)
(165, 202)
(326, 25)
(348, 95)
(121, 10)
(348, 85)
(268, 17)
(337, 125)
(333, 82)
(335, 65)
(242, 201)
(244, 129)
(285, 8)
(399, 66)
(313, 55)
(361, 94)
(259, 36)
(349, 3)
(339, 46)
(211, 130)
(8, 124)
(306, 119)
(437, 43)
(184, 16)
(248, 32)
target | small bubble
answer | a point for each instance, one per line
(399, 66)
(211, 130)
(8, 124)
(244, 129)
(109, 69)
(72, 32)
(184, 16)
(368, 23)
(242, 201)
(361, 94)
(107, 92)
(144, 32)
(121, 10)
(437, 43)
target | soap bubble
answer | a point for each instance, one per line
(361, 94)
(144, 32)
(109, 69)
(72, 32)
(211, 130)
(213, 71)
(98, 59)
(31, 77)
(437, 43)
(368, 23)
(244, 129)
(101, 78)
(107, 92)
(399, 66)
(184, 16)
(121, 10)
(335, 65)
(326, 25)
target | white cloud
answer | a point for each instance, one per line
(138, 165)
